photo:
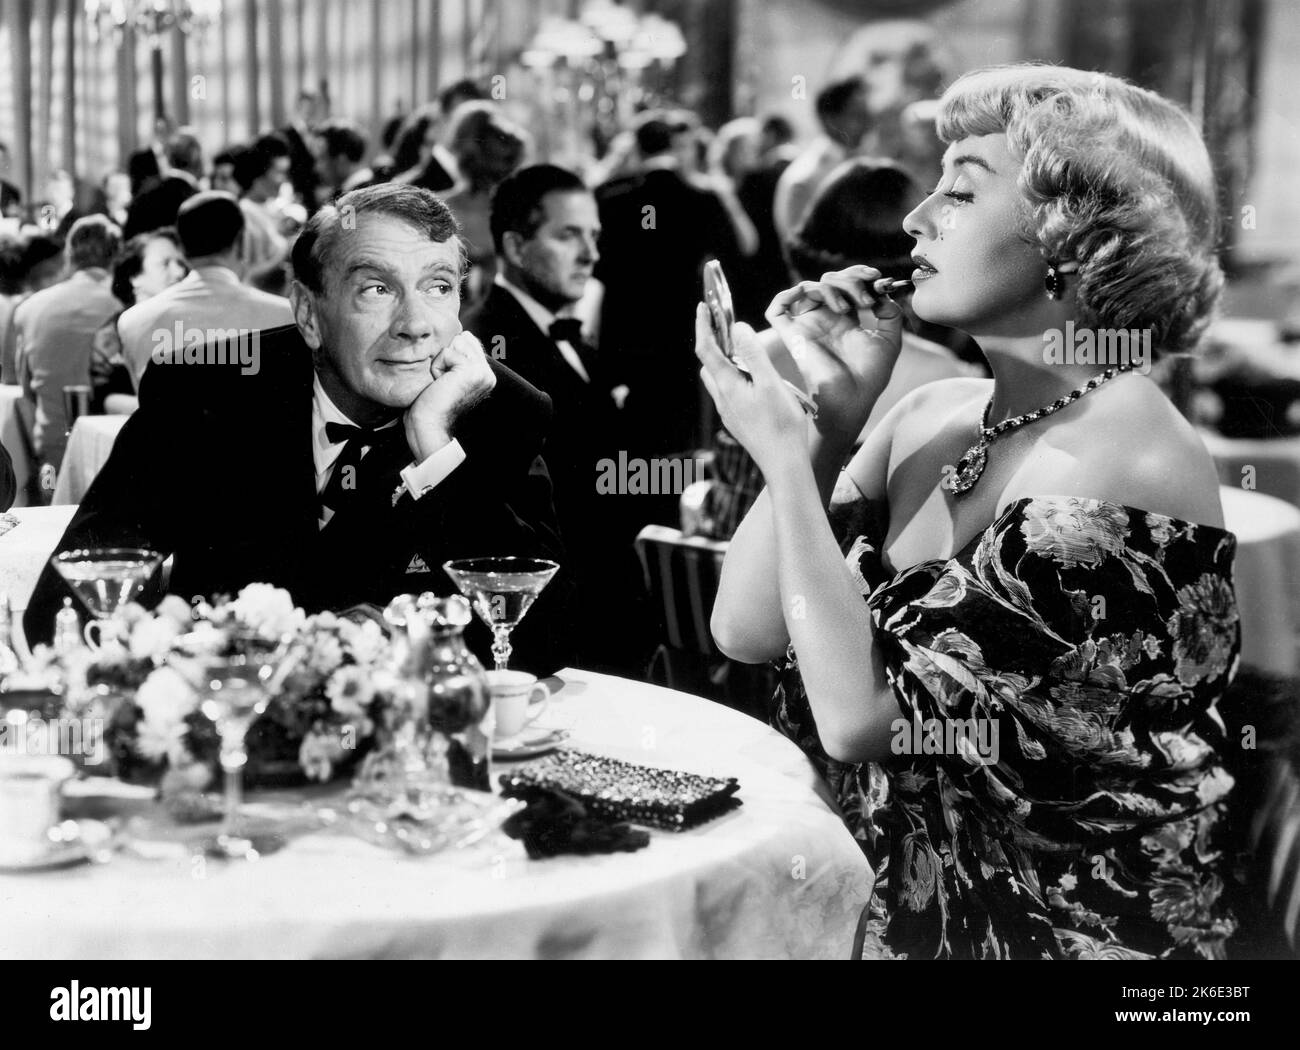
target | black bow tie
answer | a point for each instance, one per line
(337, 432)
(567, 330)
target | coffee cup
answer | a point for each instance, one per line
(518, 700)
(30, 790)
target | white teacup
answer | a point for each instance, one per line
(518, 700)
(30, 788)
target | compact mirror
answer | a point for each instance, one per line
(717, 297)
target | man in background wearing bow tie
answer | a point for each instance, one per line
(372, 441)
(545, 227)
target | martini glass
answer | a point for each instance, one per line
(236, 681)
(501, 590)
(105, 579)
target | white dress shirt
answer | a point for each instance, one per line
(418, 479)
(544, 318)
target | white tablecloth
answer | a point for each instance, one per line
(779, 877)
(89, 445)
(16, 417)
(25, 549)
(1267, 465)
(1267, 570)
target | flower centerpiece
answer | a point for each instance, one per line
(330, 686)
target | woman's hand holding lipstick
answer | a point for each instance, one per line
(844, 332)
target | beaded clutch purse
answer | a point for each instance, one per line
(617, 790)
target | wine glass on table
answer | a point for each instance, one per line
(106, 578)
(501, 590)
(236, 680)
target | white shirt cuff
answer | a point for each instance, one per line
(420, 478)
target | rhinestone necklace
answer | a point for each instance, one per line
(972, 464)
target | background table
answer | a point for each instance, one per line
(25, 549)
(89, 446)
(1266, 572)
(779, 877)
(1276, 463)
(16, 418)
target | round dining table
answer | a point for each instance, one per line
(778, 877)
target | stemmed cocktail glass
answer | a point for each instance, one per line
(236, 684)
(105, 579)
(501, 590)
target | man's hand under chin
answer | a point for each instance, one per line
(462, 378)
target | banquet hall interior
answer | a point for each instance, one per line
(173, 176)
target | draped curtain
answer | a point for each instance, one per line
(71, 102)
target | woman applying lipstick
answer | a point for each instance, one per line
(1035, 561)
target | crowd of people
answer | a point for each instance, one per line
(561, 269)
(466, 332)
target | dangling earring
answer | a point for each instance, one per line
(1054, 283)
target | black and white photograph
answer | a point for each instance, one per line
(661, 480)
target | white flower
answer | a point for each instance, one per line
(165, 698)
(155, 740)
(175, 609)
(267, 610)
(153, 637)
(129, 615)
(350, 692)
(365, 641)
(318, 753)
(324, 653)
(323, 621)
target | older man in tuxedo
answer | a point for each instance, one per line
(545, 228)
(374, 441)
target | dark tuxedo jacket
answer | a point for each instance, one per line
(585, 424)
(598, 527)
(435, 178)
(657, 230)
(157, 206)
(215, 469)
(302, 167)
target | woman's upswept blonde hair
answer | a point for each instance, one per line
(1118, 180)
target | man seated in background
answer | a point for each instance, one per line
(340, 158)
(158, 205)
(375, 442)
(260, 171)
(53, 330)
(213, 297)
(31, 263)
(544, 229)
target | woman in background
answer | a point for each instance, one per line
(487, 148)
(1006, 653)
(148, 263)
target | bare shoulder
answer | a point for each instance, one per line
(914, 421)
(1129, 445)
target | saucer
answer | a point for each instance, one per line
(533, 741)
(70, 842)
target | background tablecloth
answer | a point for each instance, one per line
(1267, 575)
(16, 418)
(779, 877)
(89, 445)
(25, 549)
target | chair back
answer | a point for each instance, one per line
(681, 577)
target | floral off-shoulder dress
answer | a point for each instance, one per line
(1058, 786)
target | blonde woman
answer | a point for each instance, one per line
(1004, 639)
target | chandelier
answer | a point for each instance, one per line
(153, 18)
